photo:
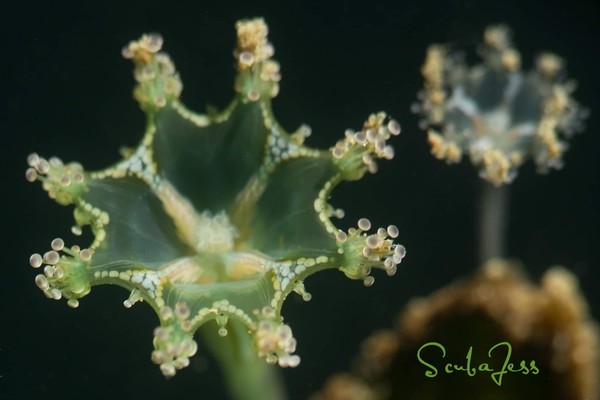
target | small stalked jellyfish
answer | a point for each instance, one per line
(214, 219)
(494, 112)
(499, 116)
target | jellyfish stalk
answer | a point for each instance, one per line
(493, 221)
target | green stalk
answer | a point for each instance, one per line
(247, 376)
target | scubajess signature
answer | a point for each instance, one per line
(500, 351)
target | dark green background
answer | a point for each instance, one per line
(66, 91)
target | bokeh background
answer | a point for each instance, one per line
(66, 91)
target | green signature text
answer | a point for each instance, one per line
(502, 350)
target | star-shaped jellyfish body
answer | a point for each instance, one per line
(494, 112)
(215, 219)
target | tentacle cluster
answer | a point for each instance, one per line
(66, 272)
(64, 183)
(363, 251)
(158, 82)
(354, 154)
(258, 74)
(173, 342)
(274, 340)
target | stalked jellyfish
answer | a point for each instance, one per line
(496, 113)
(213, 220)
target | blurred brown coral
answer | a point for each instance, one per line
(346, 387)
(549, 324)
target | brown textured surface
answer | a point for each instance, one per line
(549, 323)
